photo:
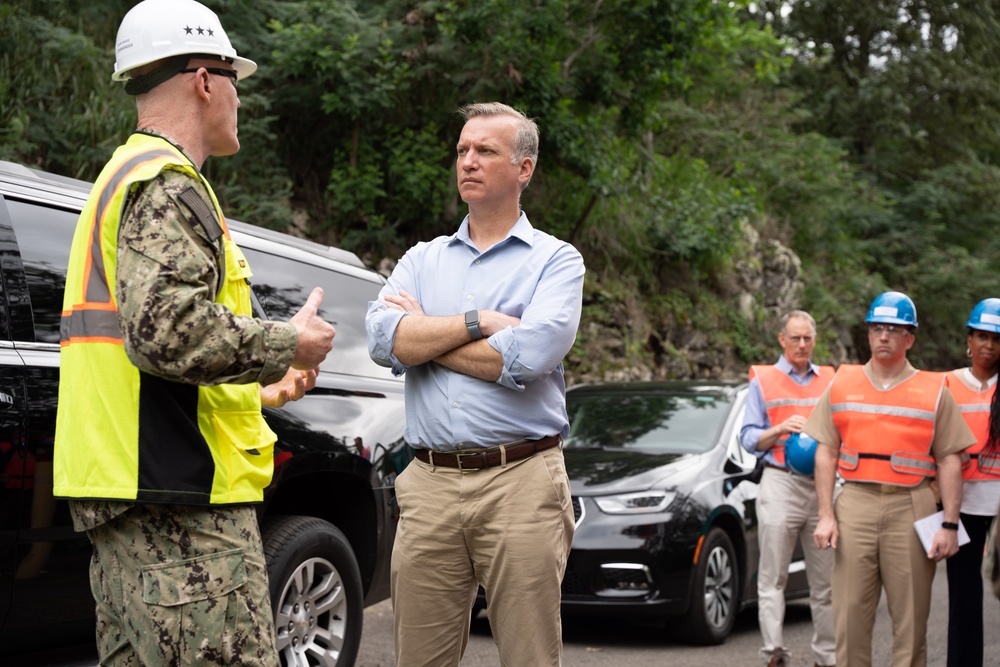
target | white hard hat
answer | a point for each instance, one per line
(158, 29)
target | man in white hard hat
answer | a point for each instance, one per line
(161, 447)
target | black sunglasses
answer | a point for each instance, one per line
(231, 73)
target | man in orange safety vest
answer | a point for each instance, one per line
(888, 429)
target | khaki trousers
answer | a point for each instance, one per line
(878, 547)
(507, 528)
(787, 512)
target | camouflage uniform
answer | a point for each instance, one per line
(182, 585)
(169, 272)
(179, 585)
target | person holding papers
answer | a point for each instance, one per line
(888, 429)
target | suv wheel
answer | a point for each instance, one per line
(714, 598)
(315, 588)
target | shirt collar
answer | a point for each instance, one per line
(522, 230)
(159, 135)
(974, 381)
(905, 374)
(786, 367)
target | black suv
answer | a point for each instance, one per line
(329, 515)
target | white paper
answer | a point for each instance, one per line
(930, 525)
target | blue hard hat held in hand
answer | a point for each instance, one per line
(800, 454)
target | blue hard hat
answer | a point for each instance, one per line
(985, 316)
(800, 454)
(893, 308)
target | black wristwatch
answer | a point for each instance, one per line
(472, 324)
(948, 525)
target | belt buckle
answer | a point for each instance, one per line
(889, 488)
(460, 455)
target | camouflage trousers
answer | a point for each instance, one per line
(178, 585)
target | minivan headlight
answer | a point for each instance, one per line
(644, 502)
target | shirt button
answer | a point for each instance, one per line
(468, 297)
(477, 261)
(455, 404)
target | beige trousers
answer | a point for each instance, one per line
(506, 528)
(787, 512)
(879, 548)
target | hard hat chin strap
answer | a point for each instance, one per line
(171, 66)
(151, 79)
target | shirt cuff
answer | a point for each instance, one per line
(505, 343)
(750, 437)
(382, 324)
(280, 341)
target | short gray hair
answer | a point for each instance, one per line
(526, 139)
(797, 314)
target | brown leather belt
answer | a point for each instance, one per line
(771, 465)
(488, 458)
(890, 488)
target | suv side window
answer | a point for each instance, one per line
(282, 285)
(44, 236)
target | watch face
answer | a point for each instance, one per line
(471, 317)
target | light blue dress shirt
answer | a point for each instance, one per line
(755, 419)
(530, 275)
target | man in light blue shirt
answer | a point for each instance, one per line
(479, 322)
(780, 399)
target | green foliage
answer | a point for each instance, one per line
(942, 249)
(906, 86)
(414, 179)
(744, 343)
(240, 179)
(43, 65)
(693, 216)
(345, 57)
(945, 285)
(860, 134)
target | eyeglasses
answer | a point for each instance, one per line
(231, 73)
(894, 330)
(799, 340)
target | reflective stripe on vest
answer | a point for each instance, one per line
(987, 464)
(95, 314)
(887, 434)
(784, 398)
(126, 435)
(975, 408)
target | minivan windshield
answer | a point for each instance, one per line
(658, 422)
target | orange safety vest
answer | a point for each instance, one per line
(783, 397)
(975, 407)
(887, 434)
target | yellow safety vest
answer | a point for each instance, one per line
(122, 434)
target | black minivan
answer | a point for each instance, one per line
(329, 516)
